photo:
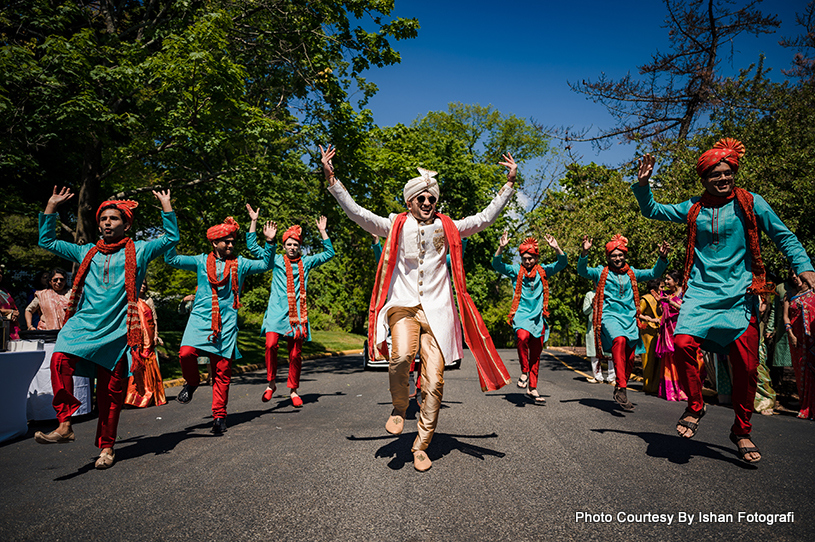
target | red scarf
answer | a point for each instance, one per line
(230, 270)
(133, 322)
(516, 300)
(297, 321)
(744, 200)
(491, 371)
(598, 304)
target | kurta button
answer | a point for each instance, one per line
(421, 292)
(420, 283)
(421, 261)
(422, 232)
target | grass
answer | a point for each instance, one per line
(253, 348)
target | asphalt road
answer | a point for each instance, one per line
(503, 468)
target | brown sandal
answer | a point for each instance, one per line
(693, 426)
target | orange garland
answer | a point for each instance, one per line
(296, 321)
(744, 199)
(516, 300)
(230, 270)
(598, 305)
(134, 336)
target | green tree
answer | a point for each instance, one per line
(212, 98)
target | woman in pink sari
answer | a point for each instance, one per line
(145, 385)
(51, 302)
(799, 319)
(670, 301)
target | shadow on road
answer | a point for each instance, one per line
(679, 450)
(609, 406)
(520, 399)
(399, 447)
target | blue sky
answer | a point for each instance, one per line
(519, 55)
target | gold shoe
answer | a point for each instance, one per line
(395, 424)
(53, 437)
(420, 461)
(105, 460)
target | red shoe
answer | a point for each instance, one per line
(267, 395)
(296, 401)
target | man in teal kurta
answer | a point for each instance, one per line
(723, 274)
(100, 328)
(617, 306)
(287, 310)
(213, 325)
(530, 304)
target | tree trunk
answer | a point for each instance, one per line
(86, 229)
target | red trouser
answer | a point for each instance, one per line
(529, 354)
(188, 356)
(744, 363)
(110, 394)
(622, 355)
(295, 358)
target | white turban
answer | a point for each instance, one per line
(425, 182)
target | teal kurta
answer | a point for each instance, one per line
(619, 310)
(98, 331)
(199, 326)
(276, 318)
(716, 307)
(529, 315)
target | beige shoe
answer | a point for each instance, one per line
(53, 437)
(536, 397)
(420, 461)
(395, 424)
(105, 460)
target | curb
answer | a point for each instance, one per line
(174, 382)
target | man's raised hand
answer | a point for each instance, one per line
(509, 162)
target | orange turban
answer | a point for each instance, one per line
(229, 227)
(727, 149)
(617, 242)
(125, 206)
(296, 232)
(529, 245)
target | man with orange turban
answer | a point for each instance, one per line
(530, 304)
(616, 307)
(412, 295)
(102, 324)
(287, 310)
(724, 277)
(212, 328)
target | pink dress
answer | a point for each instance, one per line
(802, 318)
(669, 385)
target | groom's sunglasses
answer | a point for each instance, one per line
(431, 199)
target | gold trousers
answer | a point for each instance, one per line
(409, 332)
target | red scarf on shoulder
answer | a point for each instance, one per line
(597, 323)
(134, 336)
(744, 200)
(492, 373)
(230, 270)
(516, 300)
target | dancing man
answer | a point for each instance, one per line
(212, 329)
(616, 307)
(287, 311)
(102, 324)
(530, 304)
(412, 295)
(724, 275)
